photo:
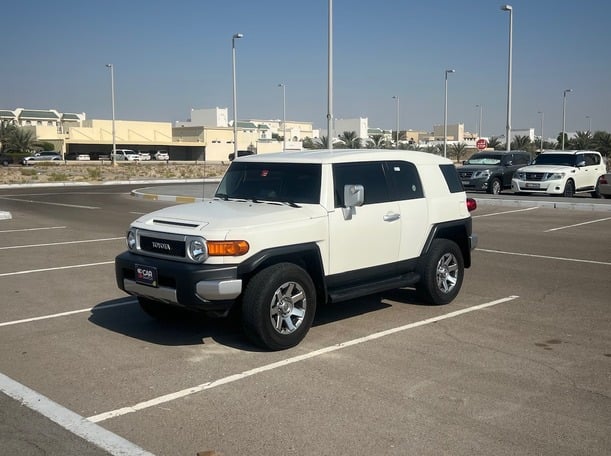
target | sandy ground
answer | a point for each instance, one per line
(99, 172)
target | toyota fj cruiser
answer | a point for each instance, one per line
(286, 232)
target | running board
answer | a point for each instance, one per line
(344, 294)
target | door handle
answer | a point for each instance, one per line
(391, 217)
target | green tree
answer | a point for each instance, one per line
(458, 150)
(350, 139)
(522, 143)
(559, 139)
(494, 142)
(377, 142)
(583, 140)
(602, 143)
(22, 140)
(7, 131)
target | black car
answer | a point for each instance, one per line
(492, 171)
(6, 159)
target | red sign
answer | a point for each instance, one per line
(481, 144)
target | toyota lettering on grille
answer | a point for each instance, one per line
(161, 246)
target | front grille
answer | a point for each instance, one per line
(465, 174)
(166, 247)
(535, 176)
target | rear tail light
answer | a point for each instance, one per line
(602, 180)
(471, 204)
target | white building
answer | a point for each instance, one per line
(359, 125)
(210, 117)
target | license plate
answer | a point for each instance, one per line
(465, 182)
(531, 185)
(146, 275)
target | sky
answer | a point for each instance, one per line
(170, 57)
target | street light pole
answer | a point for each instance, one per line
(283, 116)
(235, 97)
(508, 126)
(589, 124)
(479, 125)
(113, 156)
(542, 114)
(330, 79)
(445, 114)
(396, 97)
(564, 114)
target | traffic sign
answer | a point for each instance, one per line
(481, 144)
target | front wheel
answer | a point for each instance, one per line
(569, 189)
(442, 273)
(495, 187)
(278, 306)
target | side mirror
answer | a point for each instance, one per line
(354, 195)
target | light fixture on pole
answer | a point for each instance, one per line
(445, 114)
(479, 125)
(542, 115)
(235, 100)
(113, 156)
(283, 116)
(396, 97)
(508, 126)
(564, 114)
(589, 124)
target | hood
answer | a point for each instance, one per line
(477, 167)
(546, 168)
(220, 215)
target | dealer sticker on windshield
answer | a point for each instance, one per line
(146, 275)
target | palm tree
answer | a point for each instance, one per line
(7, 130)
(377, 142)
(457, 150)
(494, 142)
(583, 140)
(602, 143)
(22, 140)
(350, 139)
(522, 143)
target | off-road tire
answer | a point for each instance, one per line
(442, 272)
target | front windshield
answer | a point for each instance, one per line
(555, 159)
(478, 159)
(282, 182)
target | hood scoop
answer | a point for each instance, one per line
(173, 223)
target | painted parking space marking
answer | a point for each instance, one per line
(286, 362)
(68, 313)
(69, 420)
(545, 257)
(577, 224)
(58, 268)
(505, 212)
(34, 229)
(50, 244)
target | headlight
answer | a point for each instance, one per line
(521, 176)
(554, 176)
(485, 174)
(131, 240)
(197, 250)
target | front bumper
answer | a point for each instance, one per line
(552, 187)
(197, 286)
(475, 184)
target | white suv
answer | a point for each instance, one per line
(286, 232)
(561, 173)
(127, 154)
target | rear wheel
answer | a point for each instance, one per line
(569, 189)
(596, 192)
(495, 187)
(442, 273)
(278, 306)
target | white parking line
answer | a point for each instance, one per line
(69, 420)
(65, 314)
(26, 246)
(49, 203)
(505, 212)
(285, 362)
(58, 268)
(577, 224)
(33, 229)
(546, 257)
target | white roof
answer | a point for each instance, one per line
(348, 155)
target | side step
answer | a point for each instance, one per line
(364, 289)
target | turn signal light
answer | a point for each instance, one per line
(471, 204)
(227, 248)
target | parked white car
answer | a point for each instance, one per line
(561, 173)
(604, 185)
(144, 156)
(127, 154)
(161, 155)
(45, 155)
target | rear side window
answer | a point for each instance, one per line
(405, 180)
(521, 159)
(592, 159)
(451, 177)
(368, 174)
